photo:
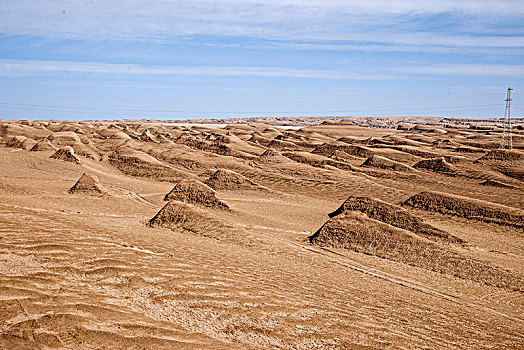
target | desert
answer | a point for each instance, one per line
(261, 233)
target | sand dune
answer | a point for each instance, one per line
(164, 235)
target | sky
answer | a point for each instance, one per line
(169, 59)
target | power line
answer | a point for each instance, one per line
(234, 101)
(94, 110)
(186, 111)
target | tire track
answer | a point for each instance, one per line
(345, 261)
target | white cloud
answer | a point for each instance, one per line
(466, 69)
(16, 68)
(418, 42)
(371, 21)
(385, 6)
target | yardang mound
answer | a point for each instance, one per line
(467, 208)
(44, 145)
(385, 163)
(88, 184)
(439, 165)
(67, 154)
(503, 155)
(193, 191)
(394, 216)
(270, 155)
(140, 164)
(224, 179)
(182, 216)
(356, 231)
(495, 183)
(508, 162)
(20, 142)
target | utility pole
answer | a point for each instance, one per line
(507, 139)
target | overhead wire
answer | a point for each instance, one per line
(101, 110)
(236, 101)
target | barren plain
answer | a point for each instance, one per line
(145, 235)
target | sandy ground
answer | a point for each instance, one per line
(86, 271)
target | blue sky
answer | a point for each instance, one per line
(93, 59)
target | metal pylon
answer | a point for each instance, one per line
(507, 139)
